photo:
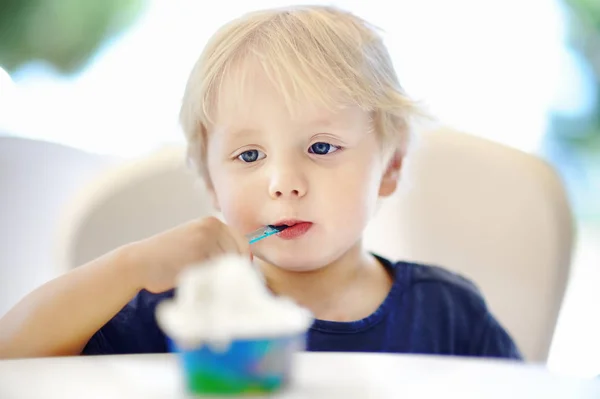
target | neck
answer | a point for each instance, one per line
(322, 289)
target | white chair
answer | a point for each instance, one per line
(36, 180)
(130, 202)
(494, 214)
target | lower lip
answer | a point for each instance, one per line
(295, 231)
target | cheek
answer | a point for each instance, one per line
(236, 198)
(353, 194)
(235, 192)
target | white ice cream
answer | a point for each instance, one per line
(226, 299)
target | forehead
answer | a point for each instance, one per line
(250, 93)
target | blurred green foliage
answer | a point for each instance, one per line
(583, 134)
(63, 33)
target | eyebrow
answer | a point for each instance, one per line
(329, 125)
(320, 122)
(325, 122)
(235, 132)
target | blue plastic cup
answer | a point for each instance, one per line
(245, 367)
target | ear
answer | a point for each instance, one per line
(390, 178)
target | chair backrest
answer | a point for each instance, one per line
(37, 178)
(493, 214)
(132, 201)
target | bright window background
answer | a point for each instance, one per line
(459, 57)
(492, 68)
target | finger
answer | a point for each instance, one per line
(241, 242)
(227, 240)
(212, 240)
(237, 240)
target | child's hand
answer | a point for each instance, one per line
(159, 259)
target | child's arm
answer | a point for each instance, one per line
(60, 317)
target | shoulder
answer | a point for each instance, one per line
(141, 309)
(434, 276)
(436, 284)
(133, 329)
(450, 303)
(147, 301)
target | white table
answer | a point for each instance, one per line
(318, 375)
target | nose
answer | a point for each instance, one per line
(287, 181)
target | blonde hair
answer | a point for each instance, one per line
(316, 53)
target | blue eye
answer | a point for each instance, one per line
(323, 148)
(250, 156)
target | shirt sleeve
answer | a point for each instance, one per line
(456, 309)
(132, 330)
(495, 341)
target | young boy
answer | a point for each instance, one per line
(293, 116)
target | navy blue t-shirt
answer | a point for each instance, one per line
(428, 310)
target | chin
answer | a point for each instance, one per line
(301, 262)
(299, 267)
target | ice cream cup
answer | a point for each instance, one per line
(249, 366)
(231, 334)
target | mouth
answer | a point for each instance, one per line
(284, 223)
(291, 228)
